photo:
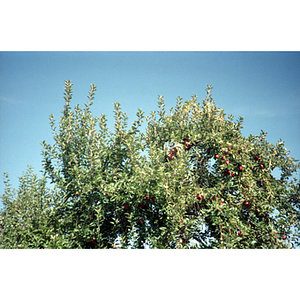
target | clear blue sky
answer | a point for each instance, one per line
(264, 87)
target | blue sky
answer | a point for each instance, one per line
(263, 87)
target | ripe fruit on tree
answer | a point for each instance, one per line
(199, 197)
(126, 206)
(261, 166)
(142, 205)
(223, 157)
(227, 162)
(257, 158)
(217, 156)
(240, 168)
(226, 173)
(76, 194)
(232, 174)
(140, 221)
(284, 237)
(221, 203)
(147, 197)
(91, 216)
(247, 203)
(93, 240)
(239, 233)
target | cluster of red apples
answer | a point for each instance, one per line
(240, 168)
(228, 172)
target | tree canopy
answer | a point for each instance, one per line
(189, 180)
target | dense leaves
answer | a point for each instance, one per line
(190, 180)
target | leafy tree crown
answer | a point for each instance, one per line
(189, 180)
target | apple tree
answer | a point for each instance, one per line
(189, 180)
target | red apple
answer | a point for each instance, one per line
(126, 206)
(140, 221)
(240, 168)
(247, 203)
(239, 233)
(227, 162)
(226, 173)
(284, 237)
(261, 166)
(276, 232)
(232, 174)
(214, 198)
(221, 203)
(147, 197)
(223, 157)
(199, 197)
(76, 194)
(93, 240)
(257, 157)
(217, 156)
(2, 226)
(91, 216)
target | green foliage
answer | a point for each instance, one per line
(124, 188)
